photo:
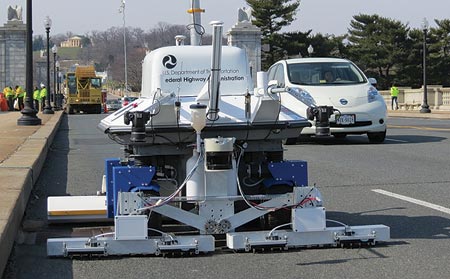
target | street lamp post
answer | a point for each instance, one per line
(58, 96)
(29, 117)
(48, 107)
(122, 10)
(310, 50)
(55, 98)
(425, 108)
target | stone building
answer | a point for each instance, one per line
(72, 42)
(13, 54)
(247, 36)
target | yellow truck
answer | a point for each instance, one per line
(83, 90)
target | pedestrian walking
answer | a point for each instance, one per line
(394, 97)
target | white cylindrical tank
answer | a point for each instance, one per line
(262, 82)
(195, 186)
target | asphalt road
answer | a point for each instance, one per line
(413, 162)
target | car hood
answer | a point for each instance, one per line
(341, 96)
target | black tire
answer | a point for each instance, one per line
(378, 137)
(69, 109)
(290, 141)
(99, 109)
(340, 136)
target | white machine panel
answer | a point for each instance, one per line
(308, 219)
(131, 227)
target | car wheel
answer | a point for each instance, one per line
(340, 136)
(290, 141)
(69, 109)
(376, 137)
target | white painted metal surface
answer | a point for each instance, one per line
(76, 208)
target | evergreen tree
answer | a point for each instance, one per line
(438, 53)
(296, 44)
(378, 45)
(271, 16)
(38, 43)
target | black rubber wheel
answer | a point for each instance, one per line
(69, 109)
(340, 136)
(290, 141)
(377, 137)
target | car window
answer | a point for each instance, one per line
(271, 72)
(325, 73)
(276, 72)
(279, 75)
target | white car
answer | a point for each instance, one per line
(335, 82)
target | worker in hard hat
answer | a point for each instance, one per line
(20, 95)
(43, 95)
(36, 97)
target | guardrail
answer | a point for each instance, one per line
(411, 99)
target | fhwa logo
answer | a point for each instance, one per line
(169, 61)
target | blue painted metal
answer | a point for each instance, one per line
(126, 179)
(110, 163)
(293, 173)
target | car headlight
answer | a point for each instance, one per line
(302, 95)
(372, 94)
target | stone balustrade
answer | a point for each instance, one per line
(411, 99)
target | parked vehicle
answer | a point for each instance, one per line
(84, 91)
(113, 104)
(335, 82)
(126, 100)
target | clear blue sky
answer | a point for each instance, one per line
(324, 16)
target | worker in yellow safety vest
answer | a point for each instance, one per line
(394, 96)
(36, 98)
(10, 95)
(43, 96)
(20, 95)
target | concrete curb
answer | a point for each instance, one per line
(19, 173)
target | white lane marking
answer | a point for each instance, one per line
(412, 200)
(396, 140)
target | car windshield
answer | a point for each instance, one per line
(325, 73)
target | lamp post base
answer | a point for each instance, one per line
(29, 118)
(425, 109)
(48, 110)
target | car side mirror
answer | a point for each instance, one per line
(372, 81)
(273, 83)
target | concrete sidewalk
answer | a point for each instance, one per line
(435, 114)
(23, 150)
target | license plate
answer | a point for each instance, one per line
(345, 119)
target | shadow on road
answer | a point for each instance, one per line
(402, 227)
(363, 140)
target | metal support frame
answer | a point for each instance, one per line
(130, 238)
(104, 246)
(333, 236)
